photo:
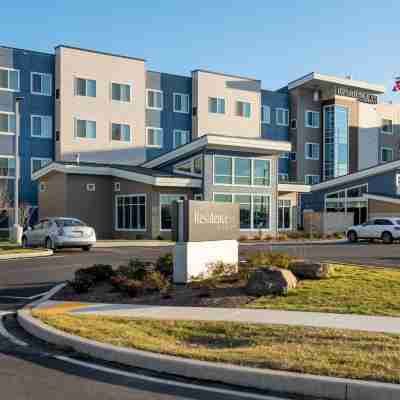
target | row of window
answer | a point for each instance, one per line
(85, 129)
(241, 171)
(41, 83)
(41, 125)
(7, 165)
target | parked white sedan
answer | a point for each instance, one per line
(54, 233)
(385, 229)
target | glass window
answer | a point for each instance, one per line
(282, 116)
(121, 92)
(7, 166)
(9, 79)
(265, 114)
(186, 167)
(242, 171)
(243, 109)
(166, 201)
(42, 126)
(154, 137)
(292, 156)
(386, 154)
(7, 123)
(216, 105)
(261, 216)
(41, 83)
(261, 174)
(311, 179)
(244, 210)
(293, 123)
(85, 129)
(223, 198)
(38, 163)
(223, 170)
(198, 165)
(283, 177)
(312, 119)
(387, 126)
(120, 132)
(357, 191)
(154, 99)
(85, 87)
(181, 103)
(284, 210)
(312, 151)
(180, 137)
(131, 212)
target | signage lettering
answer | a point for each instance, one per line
(357, 94)
(211, 218)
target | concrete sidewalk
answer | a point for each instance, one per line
(257, 316)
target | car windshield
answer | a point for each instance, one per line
(64, 223)
(397, 221)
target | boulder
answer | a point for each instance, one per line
(270, 280)
(310, 270)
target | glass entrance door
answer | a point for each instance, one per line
(284, 217)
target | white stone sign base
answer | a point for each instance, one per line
(192, 259)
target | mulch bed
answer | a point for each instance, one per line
(225, 295)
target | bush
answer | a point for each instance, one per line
(135, 270)
(159, 237)
(132, 287)
(243, 238)
(139, 236)
(82, 283)
(221, 269)
(338, 235)
(99, 272)
(165, 265)
(267, 237)
(117, 281)
(155, 282)
(267, 259)
(282, 237)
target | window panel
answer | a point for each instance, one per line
(223, 198)
(387, 126)
(7, 123)
(85, 129)
(181, 103)
(223, 170)
(243, 109)
(216, 105)
(41, 83)
(121, 92)
(261, 173)
(282, 116)
(242, 171)
(181, 137)
(166, 209)
(261, 215)
(7, 167)
(312, 119)
(120, 132)
(154, 99)
(42, 126)
(9, 79)
(131, 212)
(154, 137)
(85, 87)
(38, 163)
(265, 114)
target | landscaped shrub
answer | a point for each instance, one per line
(282, 237)
(267, 259)
(165, 265)
(243, 238)
(135, 269)
(132, 287)
(82, 283)
(155, 282)
(338, 235)
(139, 236)
(221, 269)
(117, 281)
(159, 237)
(99, 272)
(267, 237)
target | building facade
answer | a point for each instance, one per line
(88, 106)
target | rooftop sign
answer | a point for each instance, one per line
(358, 94)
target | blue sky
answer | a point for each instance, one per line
(274, 43)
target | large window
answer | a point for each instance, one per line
(181, 137)
(166, 201)
(265, 114)
(7, 123)
(311, 179)
(154, 137)
(216, 105)
(282, 117)
(120, 132)
(284, 211)
(154, 99)
(85, 129)
(131, 212)
(386, 154)
(42, 126)
(254, 209)
(312, 119)
(181, 103)
(311, 151)
(243, 109)
(387, 126)
(336, 142)
(9, 79)
(85, 87)
(41, 83)
(38, 163)
(193, 166)
(7, 166)
(241, 171)
(121, 92)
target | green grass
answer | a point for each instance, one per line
(349, 290)
(340, 353)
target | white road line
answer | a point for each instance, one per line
(35, 296)
(167, 381)
(8, 335)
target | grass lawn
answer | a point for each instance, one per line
(350, 290)
(340, 353)
(13, 249)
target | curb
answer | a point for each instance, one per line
(293, 242)
(263, 379)
(116, 243)
(34, 254)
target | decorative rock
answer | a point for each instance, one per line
(310, 270)
(271, 280)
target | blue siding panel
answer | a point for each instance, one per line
(27, 62)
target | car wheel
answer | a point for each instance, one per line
(86, 248)
(387, 238)
(352, 236)
(24, 242)
(49, 244)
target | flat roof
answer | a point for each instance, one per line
(315, 78)
(99, 52)
(26, 50)
(223, 74)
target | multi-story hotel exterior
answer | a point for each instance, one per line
(110, 114)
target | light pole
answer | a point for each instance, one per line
(17, 229)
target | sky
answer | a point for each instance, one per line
(275, 42)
